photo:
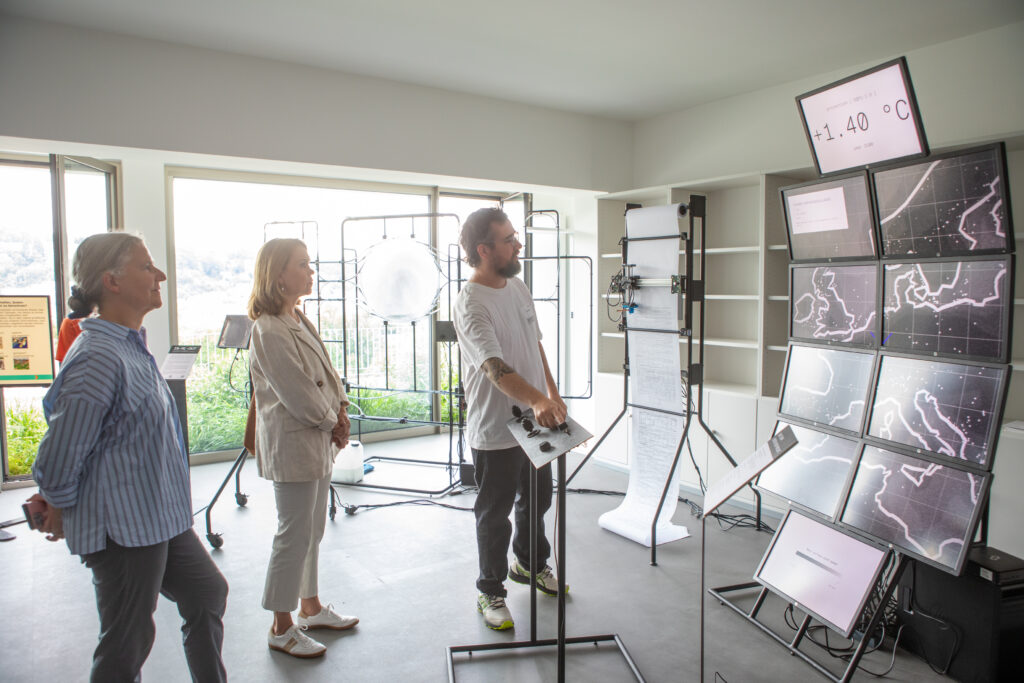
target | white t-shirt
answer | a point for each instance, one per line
(496, 323)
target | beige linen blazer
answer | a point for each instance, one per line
(298, 395)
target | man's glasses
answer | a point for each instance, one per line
(511, 239)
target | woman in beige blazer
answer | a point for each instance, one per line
(300, 418)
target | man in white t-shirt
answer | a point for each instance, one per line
(505, 366)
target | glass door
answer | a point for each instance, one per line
(47, 207)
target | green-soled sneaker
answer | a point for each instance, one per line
(496, 614)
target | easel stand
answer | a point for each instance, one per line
(692, 290)
(793, 644)
(561, 641)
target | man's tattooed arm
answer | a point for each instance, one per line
(496, 369)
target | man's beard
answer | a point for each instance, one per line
(510, 269)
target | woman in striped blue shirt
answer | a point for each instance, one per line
(113, 471)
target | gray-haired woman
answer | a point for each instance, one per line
(113, 471)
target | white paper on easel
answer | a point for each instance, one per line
(654, 382)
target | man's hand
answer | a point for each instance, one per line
(53, 520)
(549, 412)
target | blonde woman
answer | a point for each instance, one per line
(300, 413)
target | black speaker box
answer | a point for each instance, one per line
(971, 624)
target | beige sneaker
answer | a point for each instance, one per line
(496, 614)
(295, 643)
(547, 582)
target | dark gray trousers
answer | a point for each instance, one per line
(503, 477)
(128, 582)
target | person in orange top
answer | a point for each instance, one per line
(69, 331)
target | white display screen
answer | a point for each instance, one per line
(827, 573)
(865, 120)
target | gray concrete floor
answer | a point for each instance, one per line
(408, 572)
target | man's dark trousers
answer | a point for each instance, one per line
(503, 477)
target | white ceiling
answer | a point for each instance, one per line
(628, 60)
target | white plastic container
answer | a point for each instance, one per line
(348, 464)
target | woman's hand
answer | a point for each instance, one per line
(53, 520)
(342, 429)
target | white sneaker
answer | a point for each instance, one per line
(327, 618)
(496, 614)
(295, 643)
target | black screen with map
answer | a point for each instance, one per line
(926, 509)
(949, 205)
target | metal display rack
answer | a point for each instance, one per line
(561, 641)
(691, 288)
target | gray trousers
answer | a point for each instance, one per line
(301, 518)
(128, 583)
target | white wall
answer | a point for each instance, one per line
(64, 83)
(968, 89)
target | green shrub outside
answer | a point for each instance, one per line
(216, 412)
(25, 429)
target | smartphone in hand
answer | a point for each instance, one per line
(35, 513)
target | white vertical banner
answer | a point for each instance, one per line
(654, 381)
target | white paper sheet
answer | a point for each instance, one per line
(179, 361)
(654, 382)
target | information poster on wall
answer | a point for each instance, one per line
(26, 341)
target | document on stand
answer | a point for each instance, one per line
(723, 489)
(179, 361)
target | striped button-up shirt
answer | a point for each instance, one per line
(113, 458)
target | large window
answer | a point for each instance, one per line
(220, 224)
(86, 204)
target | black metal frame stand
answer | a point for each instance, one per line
(692, 290)
(561, 641)
(793, 645)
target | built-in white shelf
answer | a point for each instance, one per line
(731, 250)
(1018, 302)
(732, 297)
(781, 297)
(732, 388)
(731, 343)
(773, 347)
(616, 254)
(1018, 364)
(614, 335)
(777, 247)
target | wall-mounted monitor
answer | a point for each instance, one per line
(948, 409)
(868, 118)
(928, 510)
(826, 386)
(946, 205)
(948, 308)
(834, 304)
(830, 219)
(824, 571)
(813, 473)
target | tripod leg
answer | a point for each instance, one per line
(240, 498)
(215, 539)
